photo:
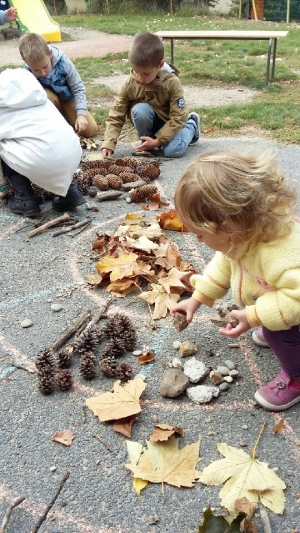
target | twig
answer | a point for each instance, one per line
(66, 230)
(265, 520)
(103, 442)
(71, 330)
(99, 314)
(84, 227)
(50, 504)
(9, 508)
(49, 224)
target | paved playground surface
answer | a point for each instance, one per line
(98, 496)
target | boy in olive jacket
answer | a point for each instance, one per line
(152, 98)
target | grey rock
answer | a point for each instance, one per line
(173, 383)
(195, 370)
(26, 323)
(224, 370)
(56, 307)
(223, 386)
(230, 364)
(202, 393)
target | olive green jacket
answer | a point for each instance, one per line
(164, 95)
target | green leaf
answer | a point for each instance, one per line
(218, 524)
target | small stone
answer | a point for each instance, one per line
(195, 370)
(26, 323)
(244, 426)
(187, 348)
(180, 322)
(223, 370)
(173, 383)
(52, 468)
(137, 352)
(234, 373)
(202, 393)
(223, 386)
(216, 377)
(176, 363)
(228, 379)
(56, 307)
(176, 345)
(230, 364)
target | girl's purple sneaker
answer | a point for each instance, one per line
(279, 394)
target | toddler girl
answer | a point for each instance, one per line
(241, 206)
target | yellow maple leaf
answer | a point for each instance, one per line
(120, 403)
(163, 462)
(120, 267)
(244, 477)
(160, 298)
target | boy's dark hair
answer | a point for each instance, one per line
(33, 47)
(147, 50)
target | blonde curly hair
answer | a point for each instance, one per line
(246, 194)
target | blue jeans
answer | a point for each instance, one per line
(147, 123)
(286, 346)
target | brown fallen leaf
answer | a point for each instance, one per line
(163, 432)
(170, 221)
(122, 402)
(65, 437)
(279, 426)
(124, 425)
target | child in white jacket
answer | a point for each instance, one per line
(36, 144)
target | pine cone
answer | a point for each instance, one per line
(123, 372)
(92, 191)
(44, 358)
(114, 348)
(128, 176)
(86, 341)
(64, 379)
(64, 358)
(108, 366)
(101, 182)
(87, 367)
(46, 379)
(114, 181)
(141, 193)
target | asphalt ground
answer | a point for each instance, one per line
(98, 496)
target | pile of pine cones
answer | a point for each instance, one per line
(119, 335)
(103, 175)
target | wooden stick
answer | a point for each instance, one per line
(75, 226)
(9, 508)
(50, 504)
(70, 331)
(49, 224)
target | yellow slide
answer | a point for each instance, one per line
(34, 17)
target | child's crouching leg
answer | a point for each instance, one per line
(284, 390)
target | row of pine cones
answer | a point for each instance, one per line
(120, 335)
(103, 175)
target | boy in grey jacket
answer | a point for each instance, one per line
(61, 81)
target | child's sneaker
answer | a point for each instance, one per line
(258, 338)
(195, 117)
(279, 394)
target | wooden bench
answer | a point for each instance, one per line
(270, 36)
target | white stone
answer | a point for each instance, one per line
(195, 370)
(176, 345)
(202, 393)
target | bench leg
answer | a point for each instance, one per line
(269, 60)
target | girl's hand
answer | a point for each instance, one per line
(187, 307)
(241, 327)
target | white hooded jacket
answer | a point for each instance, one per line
(35, 139)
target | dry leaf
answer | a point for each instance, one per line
(171, 221)
(147, 357)
(120, 267)
(65, 437)
(165, 463)
(162, 300)
(124, 426)
(163, 432)
(279, 427)
(120, 403)
(244, 477)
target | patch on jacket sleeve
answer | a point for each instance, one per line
(180, 102)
